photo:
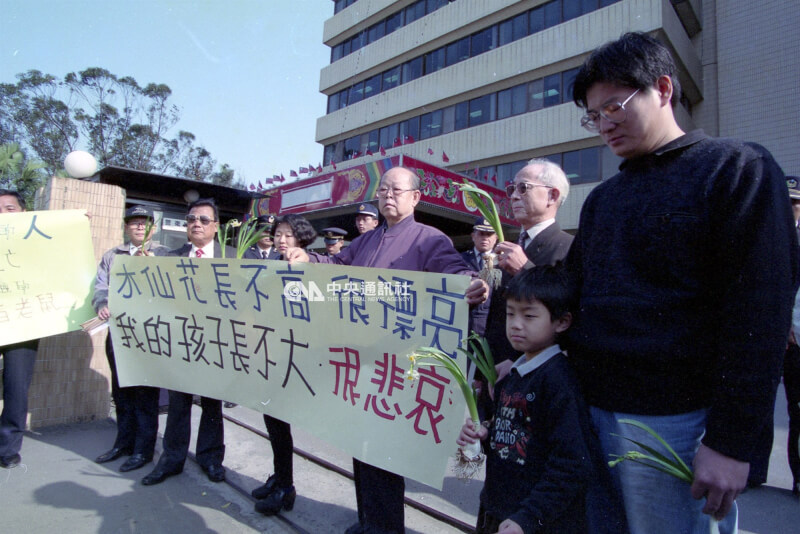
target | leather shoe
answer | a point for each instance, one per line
(10, 461)
(262, 492)
(216, 473)
(113, 454)
(280, 499)
(160, 474)
(134, 462)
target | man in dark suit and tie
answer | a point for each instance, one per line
(202, 224)
(537, 192)
(263, 249)
(483, 239)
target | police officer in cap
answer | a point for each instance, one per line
(263, 249)
(366, 218)
(334, 240)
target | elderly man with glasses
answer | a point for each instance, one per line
(399, 243)
(538, 190)
(685, 264)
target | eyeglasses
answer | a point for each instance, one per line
(522, 188)
(396, 191)
(612, 112)
(138, 224)
(204, 219)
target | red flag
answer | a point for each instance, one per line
(259, 184)
(494, 179)
(311, 167)
(282, 178)
(475, 171)
(303, 170)
(445, 158)
(319, 167)
(383, 151)
(292, 174)
(407, 140)
(430, 151)
(252, 187)
(369, 152)
(276, 178)
(396, 142)
(334, 164)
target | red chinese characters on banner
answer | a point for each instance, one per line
(389, 377)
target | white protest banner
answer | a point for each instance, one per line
(323, 347)
(47, 271)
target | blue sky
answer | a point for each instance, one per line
(245, 73)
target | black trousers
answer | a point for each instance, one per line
(18, 363)
(379, 495)
(137, 412)
(791, 382)
(280, 437)
(210, 448)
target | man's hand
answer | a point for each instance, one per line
(509, 527)
(718, 478)
(104, 314)
(468, 436)
(511, 257)
(296, 255)
(477, 292)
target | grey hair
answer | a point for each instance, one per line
(553, 176)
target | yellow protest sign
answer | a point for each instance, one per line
(47, 271)
(323, 347)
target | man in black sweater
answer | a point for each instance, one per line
(685, 263)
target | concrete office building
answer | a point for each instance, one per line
(488, 81)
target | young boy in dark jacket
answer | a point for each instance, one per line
(538, 464)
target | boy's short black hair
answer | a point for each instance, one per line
(205, 202)
(13, 193)
(635, 60)
(549, 284)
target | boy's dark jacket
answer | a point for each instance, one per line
(538, 465)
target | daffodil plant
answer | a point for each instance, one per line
(488, 208)
(489, 211)
(674, 466)
(148, 234)
(481, 356)
(469, 458)
(247, 233)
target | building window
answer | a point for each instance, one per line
(552, 13)
(389, 136)
(394, 22)
(536, 20)
(376, 31)
(552, 90)
(462, 115)
(434, 60)
(391, 78)
(372, 86)
(481, 109)
(512, 101)
(412, 69)
(458, 51)
(409, 130)
(483, 41)
(448, 119)
(430, 124)
(568, 78)
(356, 94)
(414, 11)
(520, 26)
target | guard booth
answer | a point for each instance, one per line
(331, 199)
(168, 197)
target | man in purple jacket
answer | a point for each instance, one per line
(399, 243)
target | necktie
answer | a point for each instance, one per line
(523, 239)
(264, 254)
(199, 253)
